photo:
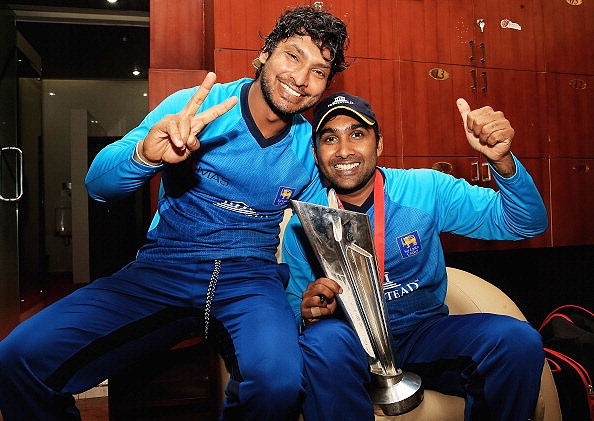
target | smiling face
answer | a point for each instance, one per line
(347, 152)
(294, 76)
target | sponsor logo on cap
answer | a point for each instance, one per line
(340, 100)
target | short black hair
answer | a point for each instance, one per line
(325, 30)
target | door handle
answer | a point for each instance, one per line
(478, 171)
(484, 76)
(488, 177)
(471, 43)
(18, 177)
(473, 74)
(484, 52)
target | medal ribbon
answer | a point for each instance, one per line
(379, 220)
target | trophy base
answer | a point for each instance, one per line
(398, 394)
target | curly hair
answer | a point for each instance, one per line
(325, 30)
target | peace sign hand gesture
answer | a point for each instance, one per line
(173, 138)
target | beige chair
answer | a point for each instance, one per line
(466, 293)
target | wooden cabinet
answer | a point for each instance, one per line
(569, 33)
(511, 37)
(449, 32)
(378, 82)
(231, 65)
(177, 35)
(371, 25)
(431, 122)
(521, 96)
(572, 188)
(437, 31)
(242, 24)
(570, 105)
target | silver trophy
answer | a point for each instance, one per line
(343, 242)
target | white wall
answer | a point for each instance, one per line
(118, 106)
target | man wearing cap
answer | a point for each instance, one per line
(493, 361)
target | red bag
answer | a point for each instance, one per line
(568, 336)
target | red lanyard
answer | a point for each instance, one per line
(379, 220)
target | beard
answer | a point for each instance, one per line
(282, 111)
(362, 182)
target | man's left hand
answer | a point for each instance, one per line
(489, 133)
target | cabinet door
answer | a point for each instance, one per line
(436, 30)
(568, 36)
(177, 35)
(521, 97)
(378, 82)
(512, 34)
(572, 184)
(231, 65)
(466, 168)
(571, 101)
(371, 25)
(239, 24)
(539, 170)
(431, 122)
(390, 161)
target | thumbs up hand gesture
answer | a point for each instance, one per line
(489, 133)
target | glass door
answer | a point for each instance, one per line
(11, 171)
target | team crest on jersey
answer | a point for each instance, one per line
(283, 196)
(409, 244)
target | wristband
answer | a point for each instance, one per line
(142, 161)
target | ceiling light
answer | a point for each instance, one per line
(112, 1)
(52, 94)
(135, 72)
(144, 94)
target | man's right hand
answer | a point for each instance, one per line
(319, 299)
(173, 138)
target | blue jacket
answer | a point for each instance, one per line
(419, 205)
(228, 198)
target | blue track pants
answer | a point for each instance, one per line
(77, 342)
(494, 362)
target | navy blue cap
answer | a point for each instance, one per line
(342, 103)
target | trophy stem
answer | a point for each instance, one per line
(343, 243)
(397, 394)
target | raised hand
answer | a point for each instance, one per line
(489, 133)
(173, 138)
(319, 298)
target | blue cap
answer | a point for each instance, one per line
(342, 103)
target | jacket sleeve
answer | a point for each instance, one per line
(114, 173)
(514, 212)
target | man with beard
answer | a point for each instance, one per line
(494, 361)
(231, 157)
